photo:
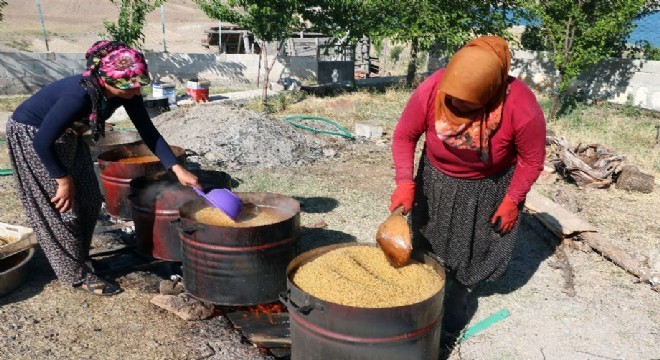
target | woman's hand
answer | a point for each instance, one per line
(404, 195)
(185, 177)
(65, 195)
(505, 217)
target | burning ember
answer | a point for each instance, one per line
(265, 309)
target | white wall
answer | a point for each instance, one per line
(24, 73)
(614, 80)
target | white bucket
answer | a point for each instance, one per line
(165, 90)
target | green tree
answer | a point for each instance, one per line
(424, 24)
(581, 33)
(131, 21)
(447, 24)
(267, 20)
(3, 3)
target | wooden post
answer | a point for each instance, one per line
(246, 42)
(43, 26)
(162, 21)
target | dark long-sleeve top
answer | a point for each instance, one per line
(520, 140)
(55, 108)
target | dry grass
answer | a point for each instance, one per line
(623, 130)
(373, 108)
(9, 103)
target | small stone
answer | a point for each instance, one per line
(184, 306)
(329, 152)
(368, 131)
(168, 287)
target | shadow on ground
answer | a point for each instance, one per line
(316, 204)
(311, 238)
(531, 249)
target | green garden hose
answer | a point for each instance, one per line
(341, 131)
(5, 172)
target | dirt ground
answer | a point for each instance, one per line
(610, 317)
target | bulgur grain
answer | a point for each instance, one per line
(361, 276)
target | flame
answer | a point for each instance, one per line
(266, 309)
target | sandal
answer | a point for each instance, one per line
(99, 286)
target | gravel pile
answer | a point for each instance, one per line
(227, 137)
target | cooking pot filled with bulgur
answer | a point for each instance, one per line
(347, 301)
(240, 262)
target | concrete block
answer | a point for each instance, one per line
(368, 131)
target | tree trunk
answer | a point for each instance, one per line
(554, 109)
(268, 67)
(264, 55)
(556, 97)
(412, 64)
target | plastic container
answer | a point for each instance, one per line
(165, 90)
(198, 89)
(14, 238)
(14, 270)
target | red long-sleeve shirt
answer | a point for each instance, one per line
(520, 139)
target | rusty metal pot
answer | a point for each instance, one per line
(116, 175)
(324, 330)
(112, 140)
(239, 266)
(155, 202)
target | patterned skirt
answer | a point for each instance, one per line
(451, 218)
(64, 237)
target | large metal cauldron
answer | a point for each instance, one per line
(155, 202)
(116, 175)
(323, 330)
(111, 140)
(240, 266)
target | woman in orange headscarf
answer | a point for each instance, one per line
(484, 147)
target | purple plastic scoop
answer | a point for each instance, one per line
(224, 200)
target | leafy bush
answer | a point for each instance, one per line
(395, 53)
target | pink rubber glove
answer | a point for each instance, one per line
(403, 195)
(507, 214)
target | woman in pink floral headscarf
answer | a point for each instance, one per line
(53, 167)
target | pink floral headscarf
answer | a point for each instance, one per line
(115, 64)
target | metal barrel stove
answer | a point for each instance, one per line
(111, 140)
(324, 330)
(155, 202)
(240, 266)
(116, 174)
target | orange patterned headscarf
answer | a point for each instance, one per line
(477, 73)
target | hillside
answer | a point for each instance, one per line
(73, 25)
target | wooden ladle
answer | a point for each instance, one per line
(393, 237)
